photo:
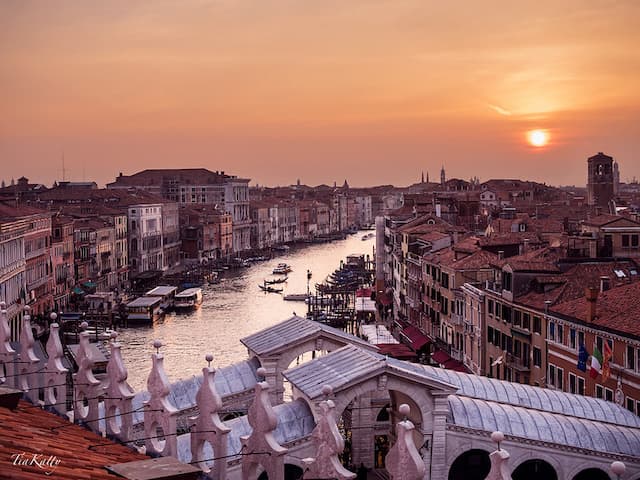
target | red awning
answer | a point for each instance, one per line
(444, 359)
(396, 350)
(363, 292)
(416, 337)
(384, 299)
(440, 357)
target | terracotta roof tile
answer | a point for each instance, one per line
(617, 309)
(28, 430)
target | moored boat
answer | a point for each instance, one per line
(281, 269)
(188, 299)
(144, 310)
(165, 293)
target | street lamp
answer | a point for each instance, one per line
(308, 293)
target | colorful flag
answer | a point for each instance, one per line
(606, 368)
(596, 362)
(583, 356)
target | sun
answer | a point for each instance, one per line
(538, 138)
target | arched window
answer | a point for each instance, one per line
(534, 470)
(592, 474)
(471, 465)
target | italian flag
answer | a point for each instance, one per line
(596, 363)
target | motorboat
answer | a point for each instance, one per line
(144, 310)
(188, 299)
(281, 269)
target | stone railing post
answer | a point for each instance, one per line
(261, 448)
(403, 461)
(7, 354)
(499, 460)
(87, 388)
(119, 395)
(160, 416)
(208, 427)
(329, 444)
(28, 380)
(55, 377)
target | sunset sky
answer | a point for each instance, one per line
(275, 90)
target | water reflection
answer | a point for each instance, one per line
(232, 309)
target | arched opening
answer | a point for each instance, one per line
(471, 465)
(291, 472)
(592, 474)
(534, 470)
(383, 414)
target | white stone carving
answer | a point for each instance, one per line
(403, 461)
(208, 427)
(7, 354)
(499, 460)
(55, 376)
(119, 395)
(87, 387)
(328, 443)
(261, 448)
(160, 415)
(28, 360)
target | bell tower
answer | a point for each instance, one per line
(600, 180)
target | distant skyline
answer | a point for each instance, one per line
(374, 92)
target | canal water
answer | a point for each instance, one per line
(231, 310)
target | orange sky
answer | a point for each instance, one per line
(371, 91)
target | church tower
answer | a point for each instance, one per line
(442, 176)
(600, 180)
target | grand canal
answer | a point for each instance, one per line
(232, 309)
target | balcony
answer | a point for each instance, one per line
(413, 258)
(518, 363)
(456, 319)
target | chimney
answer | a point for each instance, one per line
(591, 295)
(438, 210)
(605, 283)
(525, 245)
(500, 254)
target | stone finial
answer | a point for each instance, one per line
(119, 395)
(328, 443)
(158, 410)
(86, 387)
(7, 354)
(55, 377)
(208, 427)
(28, 360)
(261, 448)
(499, 460)
(618, 469)
(403, 460)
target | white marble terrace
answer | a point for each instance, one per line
(438, 424)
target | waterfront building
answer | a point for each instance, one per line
(38, 268)
(13, 224)
(62, 260)
(188, 186)
(206, 233)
